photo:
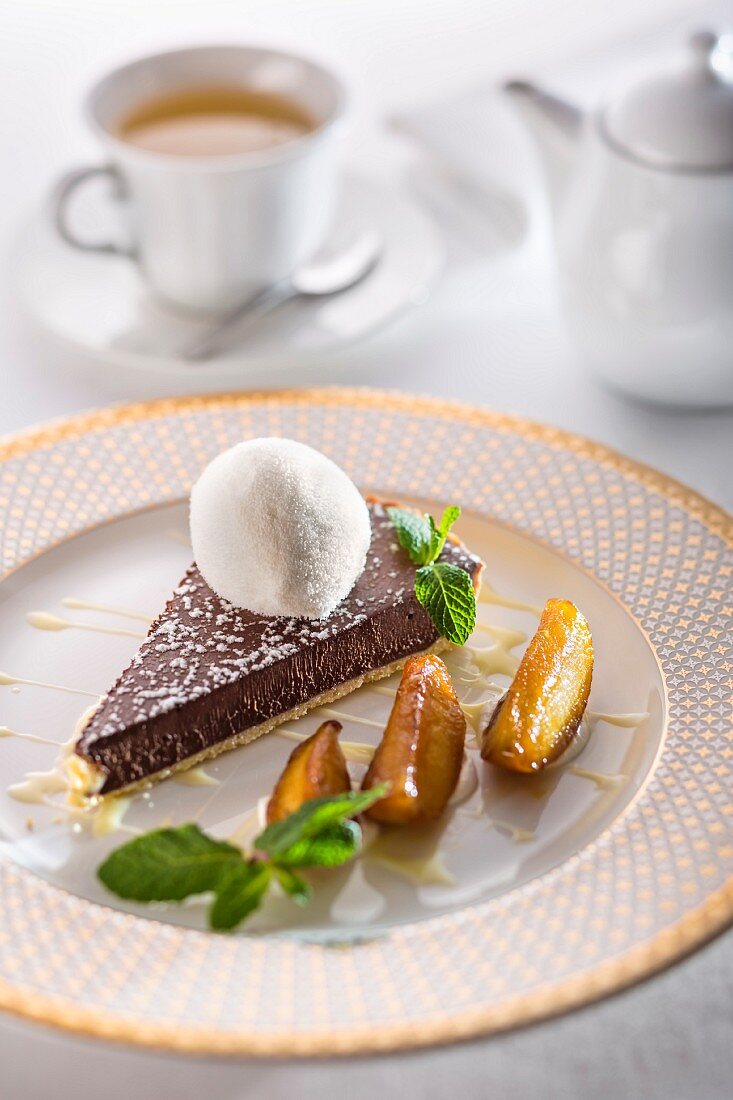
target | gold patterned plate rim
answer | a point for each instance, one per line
(658, 882)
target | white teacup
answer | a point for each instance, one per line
(209, 231)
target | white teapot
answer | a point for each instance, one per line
(642, 197)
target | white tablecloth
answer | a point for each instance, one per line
(482, 338)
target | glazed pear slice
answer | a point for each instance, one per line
(421, 752)
(316, 768)
(537, 718)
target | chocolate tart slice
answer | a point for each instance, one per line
(210, 676)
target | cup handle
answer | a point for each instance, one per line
(65, 189)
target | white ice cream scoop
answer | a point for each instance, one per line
(279, 529)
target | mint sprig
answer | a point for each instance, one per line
(176, 863)
(419, 535)
(444, 590)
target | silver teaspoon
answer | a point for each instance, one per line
(318, 279)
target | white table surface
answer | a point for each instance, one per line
(479, 340)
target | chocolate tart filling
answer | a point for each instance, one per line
(210, 676)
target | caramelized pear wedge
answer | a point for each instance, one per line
(421, 752)
(540, 714)
(315, 768)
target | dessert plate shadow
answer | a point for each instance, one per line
(531, 896)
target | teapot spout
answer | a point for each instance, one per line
(555, 126)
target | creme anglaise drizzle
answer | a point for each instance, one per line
(195, 777)
(73, 602)
(6, 681)
(5, 731)
(44, 620)
(602, 781)
(429, 870)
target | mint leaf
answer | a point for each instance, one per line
(172, 864)
(240, 891)
(413, 533)
(168, 865)
(331, 847)
(419, 535)
(450, 515)
(294, 886)
(446, 592)
(314, 817)
(438, 534)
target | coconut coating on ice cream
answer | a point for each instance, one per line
(279, 529)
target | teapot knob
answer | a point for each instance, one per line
(703, 45)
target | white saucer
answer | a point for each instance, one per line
(101, 306)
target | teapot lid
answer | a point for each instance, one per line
(680, 120)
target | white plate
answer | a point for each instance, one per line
(100, 304)
(606, 882)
